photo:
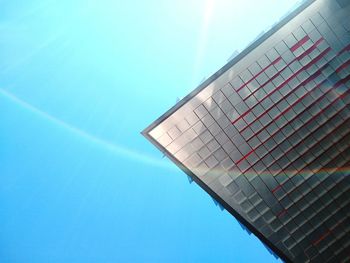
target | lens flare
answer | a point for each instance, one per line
(111, 147)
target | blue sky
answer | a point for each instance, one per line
(79, 80)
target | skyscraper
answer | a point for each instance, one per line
(268, 135)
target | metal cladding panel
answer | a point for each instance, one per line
(268, 136)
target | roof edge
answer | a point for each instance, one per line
(228, 65)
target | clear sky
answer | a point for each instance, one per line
(79, 80)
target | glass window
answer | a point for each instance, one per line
(235, 155)
(228, 147)
(253, 214)
(296, 123)
(263, 61)
(265, 118)
(246, 205)
(282, 105)
(240, 124)
(191, 118)
(268, 160)
(314, 54)
(199, 127)
(260, 94)
(290, 40)
(321, 62)
(244, 148)
(262, 207)
(247, 133)
(276, 97)
(286, 202)
(308, 26)
(244, 92)
(286, 73)
(243, 165)
(285, 89)
(304, 130)
(278, 81)
(279, 137)
(285, 146)
(214, 129)
(299, 107)
(293, 155)
(277, 153)
(268, 88)
(272, 54)
(323, 45)
(315, 35)
(209, 104)
(211, 162)
(246, 75)
(262, 78)
(258, 111)
(201, 111)
(294, 209)
(281, 121)
(317, 19)
(305, 60)
(253, 85)
(206, 136)
(263, 135)
(327, 71)
(216, 113)
(281, 47)
(271, 71)
(219, 97)
(251, 101)
(174, 132)
(249, 118)
(261, 150)
(291, 99)
(266, 104)
(254, 68)
(227, 164)
(197, 143)
(273, 112)
(254, 142)
(299, 51)
(227, 90)
(241, 107)
(300, 92)
(237, 139)
(244, 185)
(281, 178)
(302, 76)
(234, 99)
(213, 145)
(204, 152)
(222, 138)
(223, 122)
(256, 126)
(288, 56)
(299, 33)
(230, 131)
(208, 120)
(237, 83)
(226, 105)
(312, 69)
(295, 66)
(293, 83)
(269, 144)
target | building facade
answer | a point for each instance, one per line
(268, 135)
